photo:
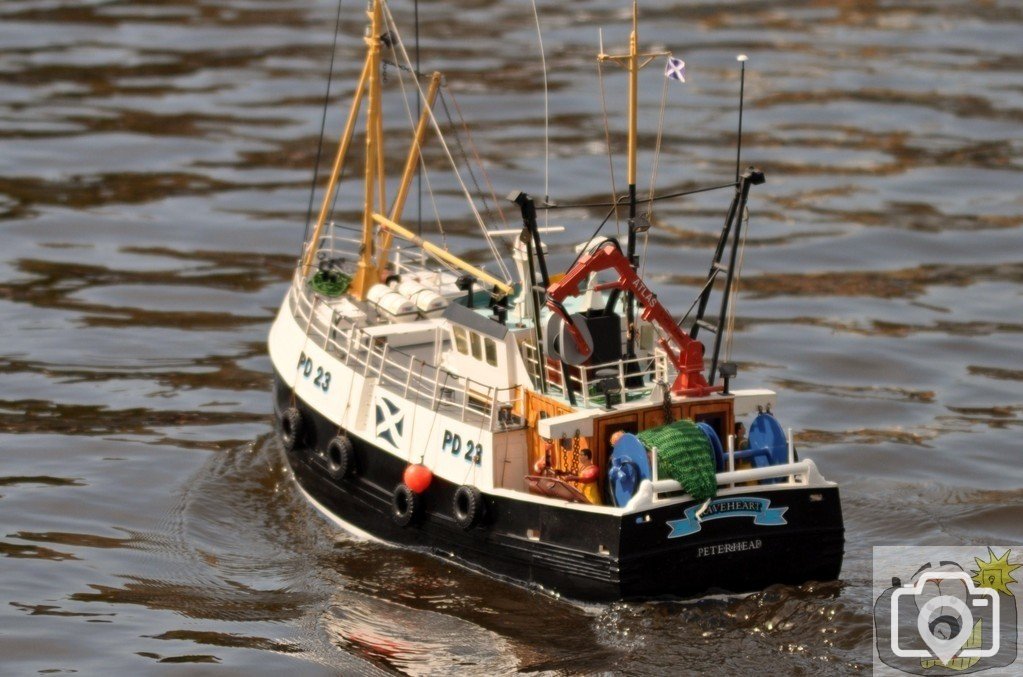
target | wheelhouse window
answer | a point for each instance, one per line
(461, 340)
(474, 344)
(477, 345)
(490, 349)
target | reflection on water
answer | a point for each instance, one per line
(153, 188)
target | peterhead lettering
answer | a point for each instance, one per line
(725, 548)
(758, 508)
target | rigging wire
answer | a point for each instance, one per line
(323, 126)
(415, 406)
(475, 156)
(413, 123)
(615, 201)
(436, 209)
(658, 198)
(611, 212)
(546, 115)
(660, 137)
(389, 17)
(653, 171)
(461, 151)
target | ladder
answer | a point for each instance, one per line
(731, 230)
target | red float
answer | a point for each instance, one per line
(418, 477)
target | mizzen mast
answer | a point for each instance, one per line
(633, 62)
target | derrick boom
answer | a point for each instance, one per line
(685, 353)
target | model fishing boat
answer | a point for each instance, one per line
(561, 431)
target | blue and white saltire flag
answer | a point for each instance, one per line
(675, 69)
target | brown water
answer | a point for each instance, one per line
(154, 169)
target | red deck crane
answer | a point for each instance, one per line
(685, 353)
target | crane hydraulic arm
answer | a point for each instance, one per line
(686, 354)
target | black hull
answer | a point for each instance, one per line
(581, 555)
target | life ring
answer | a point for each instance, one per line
(340, 457)
(467, 506)
(405, 505)
(292, 428)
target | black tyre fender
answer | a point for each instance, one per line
(405, 505)
(340, 457)
(292, 428)
(467, 506)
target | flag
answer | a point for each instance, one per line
(675, 69)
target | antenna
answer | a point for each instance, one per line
(742, 59)
(632, 61)
(546, 116)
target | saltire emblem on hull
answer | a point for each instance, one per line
(390, 422)
(758, 508)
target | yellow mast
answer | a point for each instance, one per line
(371, 262)
(411, 163)
(335, 174)
(633, 62)
(365, 275)
(633, 67)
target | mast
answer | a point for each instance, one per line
(372, 260)
(369, 84)
(366, 273)
(633, 62)
(633, 68)
(630, 298)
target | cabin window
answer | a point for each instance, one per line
(461, 340)
(477, 345)
(490, 348)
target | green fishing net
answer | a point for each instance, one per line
(684, 455)
(330, 284)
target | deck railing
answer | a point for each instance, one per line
(794, 473)
(628, 378)
(401, 373)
